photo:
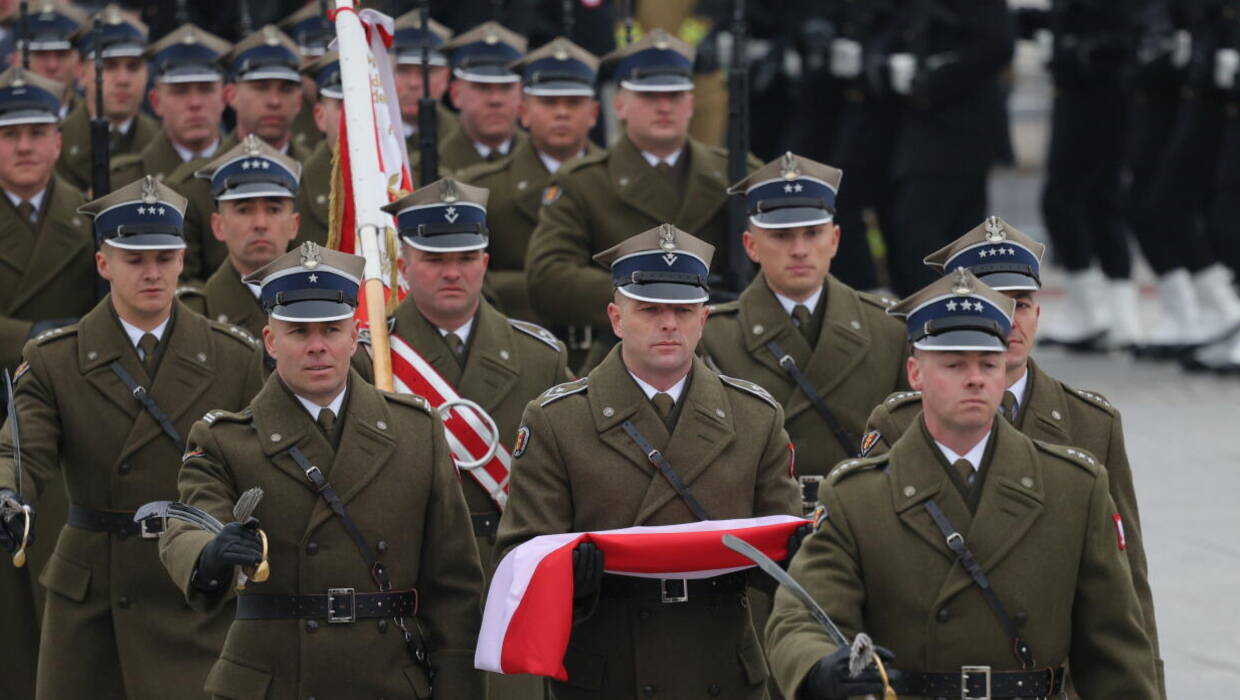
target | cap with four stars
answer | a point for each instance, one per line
(252, 169)
(558, 68)
(445, 216)
(309, 284)
(120, 36)
(27, 98)
(309, 29)
(267, 54)
(143, 215)
(483, 54)
(957, 313)
(663, 265)
(188, 55)
(998, 253)
(658, 63)
(790, 191)
(410, 37)
(50, 25)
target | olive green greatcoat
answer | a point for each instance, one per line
(74, 163)
(580, 472)
(394, 475)
(457, 152)
(516, 186)
(1042, 532)
(1056, 413)
(305, 133)
(225, 298)
(114, 624)
(158, 158)
(313, 201)
(857, 360)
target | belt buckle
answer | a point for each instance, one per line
(332, 595)
(965, 673)
(145, 531)
(672, 596)
(810, 482)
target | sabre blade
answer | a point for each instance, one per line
(179, 511)
(17, 437)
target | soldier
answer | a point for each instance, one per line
(254, 186)
(312, 32)
(123, 43)
(51, 26)
(825, 351)
(188, 97)
(558, 109)
(106, 401)
(1036, 403)
(314, 194)
(655, 173)
(407, 45)
(487, 93)
(1042, 579)
(374, 579)
(586, 460)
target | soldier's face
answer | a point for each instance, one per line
(559, 125)
(655, 120)
(488, 110)
(659, 339)
(312, 358)
(28, 152)
(143, 281)
(794, 261)
(124, 82)
(265, 107)
(327, 119)
(190, 111)
(408, 81)
(1024, 330)
(444, 285)
(961, 391)
(59, 65)
(255, 230)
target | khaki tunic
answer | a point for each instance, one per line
(74, 163)
(580, 472)
(1043, 533)
(159, 158)
(226, 299)
(314, 196)
(115, 625)
(457, 152)
(1056, 413)
(394, 475)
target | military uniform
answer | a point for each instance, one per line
(447, 123)
(74, 163)
(314, 196)
(226, 299)
(407, 45)
(159, 158)
(457, 153)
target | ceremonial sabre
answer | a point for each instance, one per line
(10, 508)
(201, 519)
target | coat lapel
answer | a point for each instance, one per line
(492, 368)
(614, 398)
(231, 300)
(281, 423)
(1045, 415)
(101, 341)
(706, 191)
(527, 179)
(763, 320)
(15, 252)
(638, 185)
(916, 477)
(840, 347)
(413, 327)
(56, 244)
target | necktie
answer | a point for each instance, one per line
(26, 211)
(493, 156)
(965, 471)
(326, 421)
(456, 345)
(1008, 407)
(664, 168)
(663, 403)
(147, 344)
(805, 322)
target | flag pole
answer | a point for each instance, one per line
(369, 186)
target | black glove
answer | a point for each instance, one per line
(48, 324)
(587, 570)
(13, 526)
(794, 543)
(828, 679)
(236, 545)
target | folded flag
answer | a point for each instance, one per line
(529, 611)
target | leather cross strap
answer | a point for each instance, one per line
(144, 397)
(789, 365)
(657, 459)
(955, 541)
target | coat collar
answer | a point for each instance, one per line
(637, 185)
(230, 300)
(61, 236)
(1045, 414)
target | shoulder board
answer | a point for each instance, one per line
(576, 164)
(901, 398)
(1081, 458)
(51, 334)
(476, 172)
(237, 332)
(1092, 398)
(413, 400)
(750, 387)
(559, 391)
(363, 336)
(727, 307)
(124, 160)
(882, 301)
(536, 331)
(854, 466)
(189, 290)
(219, 415)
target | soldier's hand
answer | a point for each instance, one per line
(587, 570)
(829, 678)
(237, 544)
(794, 543)
(13, 520)
(48, 324)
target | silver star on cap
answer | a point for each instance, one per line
(951, 306)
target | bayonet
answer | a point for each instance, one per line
(428, 116)
(10, 508)
(23, 33)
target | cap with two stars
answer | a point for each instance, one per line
(267, 54)
(483, 54)
(958, 313)
(663, 265)
(309, 283)
(558, 68)
(325, 72)
(120, 36)
(28, 98)
(309, 29)
(409, 39)
(187, 55)
(445, 216)
(143, 215)
(50, 25)
(790, 191)
(659, 62)
(998, 253)
(252, 169)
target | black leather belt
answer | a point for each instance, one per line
(485, 524)
(671, 590)
(337, 605)
(977, 682)
(118, 522)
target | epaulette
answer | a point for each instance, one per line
(882, 301)
(536, 331)
(559, 391)
(124, 160)
(853, 466)
(1079, 457)
(414, 400)
(1092, 398)
(189, 290)
(472, 173)
(219, 415)
(899, 398)
(572, 166)
(727, 307)
(232, 331)
(51, 334)
(750, 387)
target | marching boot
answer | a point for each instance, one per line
(1125, 333)
(1179, 327)
(1079, 325)
(1220, 305)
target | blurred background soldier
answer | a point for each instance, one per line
(312, 32)
(407, 52)
(488, 95)
(314, 194)
(51, 26)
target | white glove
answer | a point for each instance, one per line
(845, 58)
(1182, 49)
(903, 67)
(1226, 64)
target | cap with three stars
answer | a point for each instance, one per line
(958, 313)
(187, 55)
(658, 63)
(309, 29)
(558, 68)
(49, 24)
(252, 169)
(27, 98)
(790, 191)
(310, 284)
(445, 216)
(664, 265)
(325, 71)
(483, 54)
(410, 37)
(120, 36)
(998, 253)
(143, 215)
(267, 54)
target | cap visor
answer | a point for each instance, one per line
(312, 311)
(190, 74)
(334, 93)
(415, 59)
(1010, 282)
(149, 241)
(560, 88)
(254, 190)
(486, 74)
(124, 51)
(271, 73)
(50, 45)
(447, 243)
(962, 341)
(791, 217)
(28, 116)
(658, 83)
(665, 293)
